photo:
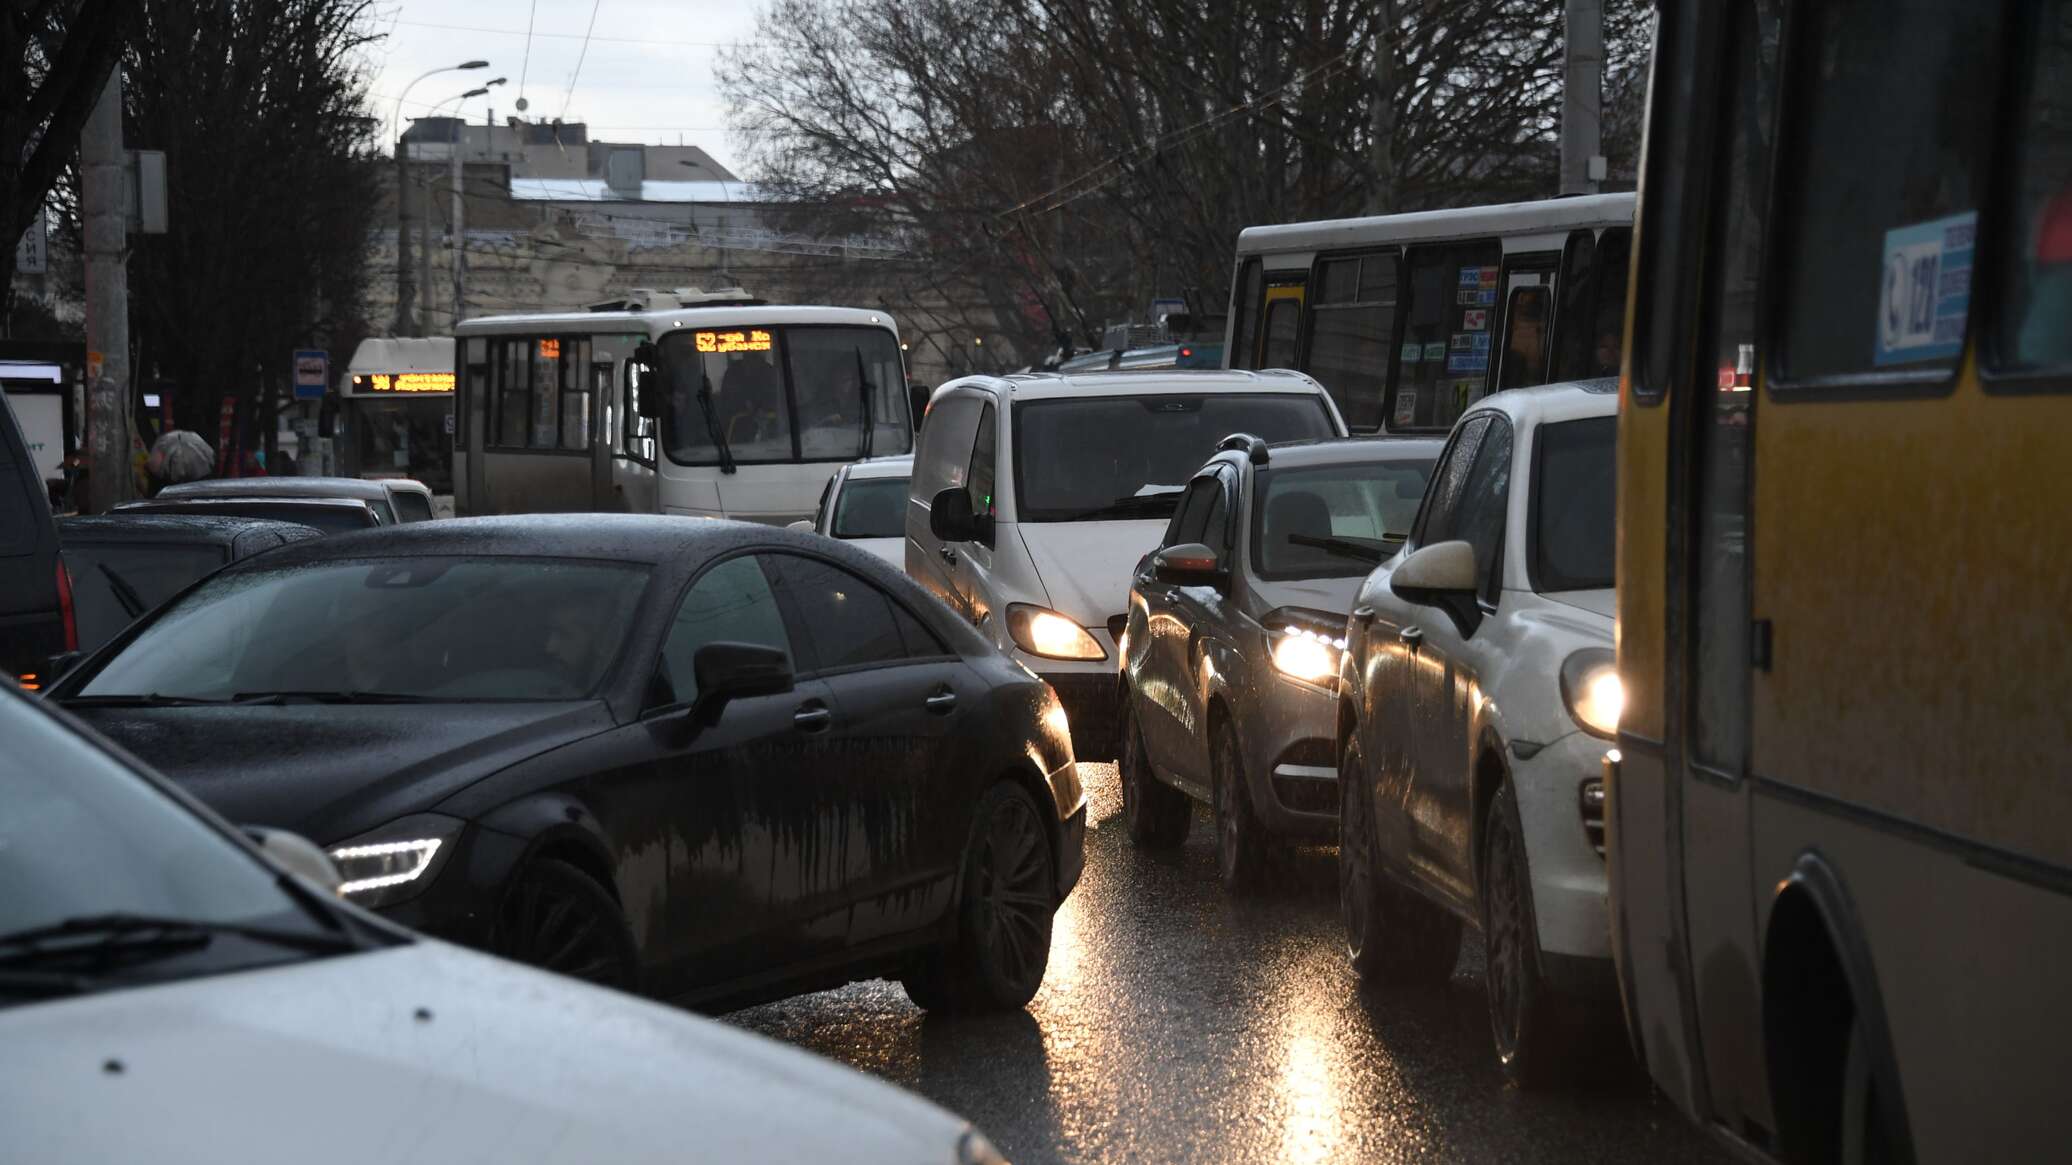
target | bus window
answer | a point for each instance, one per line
(574, 383)
(1352, 329)
(836, 373)
(1453, 290)
(1608, 330)
(1893, 123)
(1525, 338)
(1283, 319)
(513, 390)
(1573, 317)
(2034, 263)
(1245, 303)
(473, 388)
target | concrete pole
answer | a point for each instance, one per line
(424, 255)
(1582, 94)
(456, 232)
(104, 186)
(406, 282)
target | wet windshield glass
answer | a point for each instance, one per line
(1574, 494)
(113, 583)
(1335, 520)
(1126, 457)
(733, 392)
(872, 509)
(428, 628)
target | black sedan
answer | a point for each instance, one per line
(714, 761)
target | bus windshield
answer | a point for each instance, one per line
(749, 395)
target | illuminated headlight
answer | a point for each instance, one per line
(1305, 647)
(1591, 688)
(396, 861)
(1040, 631)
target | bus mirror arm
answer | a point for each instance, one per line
(648, 359)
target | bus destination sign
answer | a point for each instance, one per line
(404, 382)
(751, 340)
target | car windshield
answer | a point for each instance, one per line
(432, 628)
(1334, 521)
(1574, 505)
(775, 394)
(1119, 457)
(872, 509)
(115, 582)
(84, 837)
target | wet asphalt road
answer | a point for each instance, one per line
(1178, 1024)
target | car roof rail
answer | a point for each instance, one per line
(1247, 444)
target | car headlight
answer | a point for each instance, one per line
(1306, 645)
(1591, 688)
(974, 1149)
(387, 865)
(1041, 631)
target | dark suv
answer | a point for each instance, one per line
(35, 596)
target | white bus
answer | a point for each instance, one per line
(396, 404)
(739, 411)
(1407, 319)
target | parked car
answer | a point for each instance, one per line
(712, 760)
(123, 565)
(395, 499)
(330, 515)
(35, 595)
(1034, 495)
(1479, 700)
(865, 504)
(1236, 619)
(158, 971)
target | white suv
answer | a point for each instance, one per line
(1478, 699)
(1035, 495)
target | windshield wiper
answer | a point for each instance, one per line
(327, 696)
(132, 602)
(712, 429)
(863, 381)
(1156, 505)
(136, 700)
(41, 984)
(1342, 547)
(105, 938)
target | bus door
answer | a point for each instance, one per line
(470, 406)
(604, 496)
(1523, 356)
(1280, 330)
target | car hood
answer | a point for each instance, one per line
(1085, 566)
(1602, 601)
(429, 1054)
(330, 771)
(892, 550)
(1334, 595)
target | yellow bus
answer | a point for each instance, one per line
(1840, 812)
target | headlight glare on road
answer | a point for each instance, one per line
(1591, 688)
(1040, 631)
(392, 863)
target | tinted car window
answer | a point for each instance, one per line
(1453, 477)
(847, 620)
(945, 456)
(1215, 526)
(113, 583)
(412, 507)
(1574, 495)
(1107, 458)
(731, 603)
(1479, 518)
(875, 508)
(436, 628)
(1369, 504)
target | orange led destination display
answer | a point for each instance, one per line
(750, 340)
(405, 382)
(550, 349)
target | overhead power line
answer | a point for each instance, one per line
(530, 13)
(581, 55)
(636, 40)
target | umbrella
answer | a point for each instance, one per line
(181, 455)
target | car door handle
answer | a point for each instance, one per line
(1363, 615)
(942, 703)
(1412, 636)
(949, 555)
(813, 717)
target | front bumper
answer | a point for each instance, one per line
(1568, 878)
(459, 905)
(1286, 729)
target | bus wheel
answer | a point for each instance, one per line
(1523, 1013)
(1867, 1134)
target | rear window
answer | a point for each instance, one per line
(114, 583)
(412, 507)
(872, 509)
(1334, 521)
(1574, 495)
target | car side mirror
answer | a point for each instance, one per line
(298, 855)
(648, 360)
(1189, 564)
(950, 516)
(734, 671)
(1434, 572)
(56, 666)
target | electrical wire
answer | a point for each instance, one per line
(640, 40)
(581, 54)
(526, 60)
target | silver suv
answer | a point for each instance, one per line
(1235, 625)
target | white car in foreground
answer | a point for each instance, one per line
(1477, 702)
(865, 504)
(167, 994)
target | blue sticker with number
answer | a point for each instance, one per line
(1926, 290)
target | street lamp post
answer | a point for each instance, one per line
(454, 224)
(406, 288)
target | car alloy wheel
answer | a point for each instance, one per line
(559, 919)
(1523, 1014)
(1002, 946)
(1355, 862)
(1240, 842)
(1156, 815)
(1392, 935)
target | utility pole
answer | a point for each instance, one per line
(454, 231)
(424, 255)
(1381, 116)
(1582, 97)
(104, 187)
(406, 281)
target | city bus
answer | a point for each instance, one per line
(1407, 319)
(1840, 806)
(397, 411)
(653, 406)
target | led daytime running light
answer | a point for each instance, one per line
(423, 849)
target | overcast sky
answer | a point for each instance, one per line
(647, 71)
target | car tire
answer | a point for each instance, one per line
(556, 917)
(1009, 897)
(1392, 936)
(1240, 840)
(1533, 1032)
(1157, 815)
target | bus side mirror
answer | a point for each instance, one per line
(646, 364)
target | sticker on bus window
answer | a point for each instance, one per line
(1435, 351)
(1476, 320)
(1463, 341)
(1488, 278)
(1412, 352)
(1481, 341)
(1459, 362)
(1406, 406)
(1467, 297)
(1464, 393)
(1471, 277)
(1487, 296)
(1926, 290)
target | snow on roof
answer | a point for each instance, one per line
(652, 190)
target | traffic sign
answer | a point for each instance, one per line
(312, 373)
